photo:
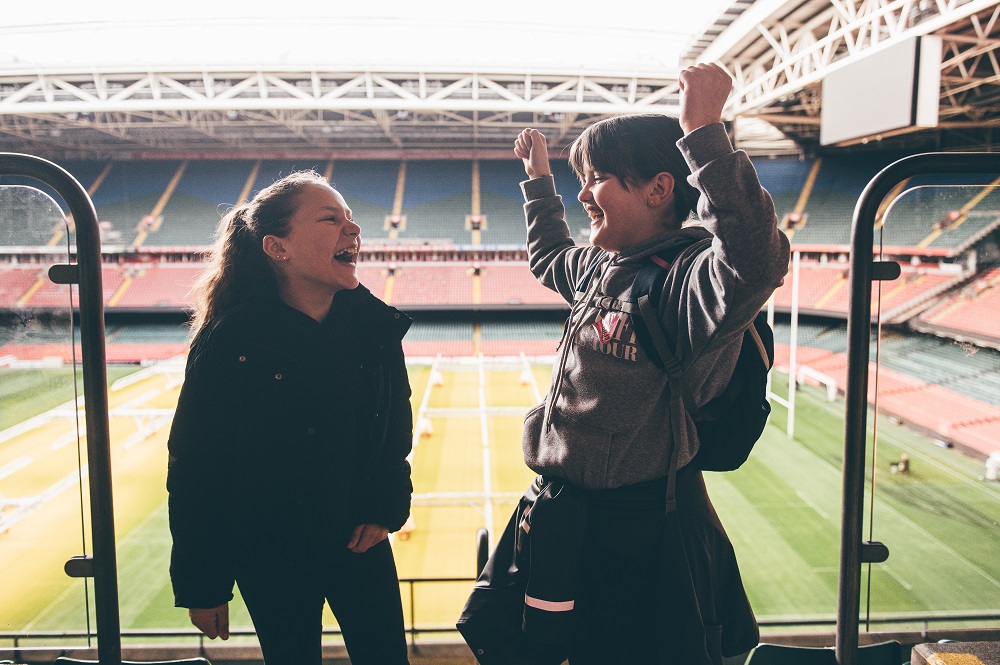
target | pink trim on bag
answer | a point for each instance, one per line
(658, 261)
(548, 605)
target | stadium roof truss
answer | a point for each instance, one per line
(324, 112)
(780, 51)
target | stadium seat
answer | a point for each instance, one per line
(186, 661)
(883, 653)
(779, 654)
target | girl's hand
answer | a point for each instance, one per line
(531, 148)
(705, 87)
(366, 536)
(214, 622)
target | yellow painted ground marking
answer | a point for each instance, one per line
(945, 311)
(902, 285)
(397, 203)
(100, 179)
(440, 546)
(962, 302)
(32, 290)
(476, 205)
(248, 185)
(59, 230)
(390, 284)
(931, 237)
(119, 292)
(804, 195)
(58, 233)
(962, 213)
(807, 188)
(32, 554)
(157, 210)
(476, 210)
(887, 201)
(831, 292)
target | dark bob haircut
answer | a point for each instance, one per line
(634, 148)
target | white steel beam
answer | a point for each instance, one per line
(771, 59)
(222, 90)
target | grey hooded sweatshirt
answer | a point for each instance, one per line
(605, 422)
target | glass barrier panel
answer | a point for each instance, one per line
(44, 514)
(935, 378)
(936, 384)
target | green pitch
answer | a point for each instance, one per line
(782, 511)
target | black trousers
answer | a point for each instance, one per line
(286, 605)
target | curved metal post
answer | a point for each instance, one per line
(95, 390)
(858, 338)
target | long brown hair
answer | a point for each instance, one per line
(239, 269)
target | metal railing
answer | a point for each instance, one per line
(864, 270)
(86, 273)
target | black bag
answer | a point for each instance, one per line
(729, 425)
(492, 619)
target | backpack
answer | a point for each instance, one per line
(729, 425)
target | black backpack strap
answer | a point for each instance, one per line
(584, 280)
(646, 289)
(754, 334)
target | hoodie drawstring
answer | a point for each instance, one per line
(572, 330)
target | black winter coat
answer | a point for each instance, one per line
(288, 433)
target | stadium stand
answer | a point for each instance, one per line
(512, 338)
(129, 193)
(44, 294)
(823, 287)
(160, 285)
(784, 178)
(950, 216)
(568, 186)
(29, 219)
(830, 207)
(374, 278)
(975, 309)
(431, 338)
(513, 284)
(431, 284)
(369, 188)
(204, 192)
(501, 201)
(922, 380)
(16, 280)
(438, 197)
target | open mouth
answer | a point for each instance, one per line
(595, 213)
(347, 255)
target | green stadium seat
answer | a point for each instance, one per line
(779, 654)
(882, 653)
(186, 661)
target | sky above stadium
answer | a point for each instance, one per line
(638, 36)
